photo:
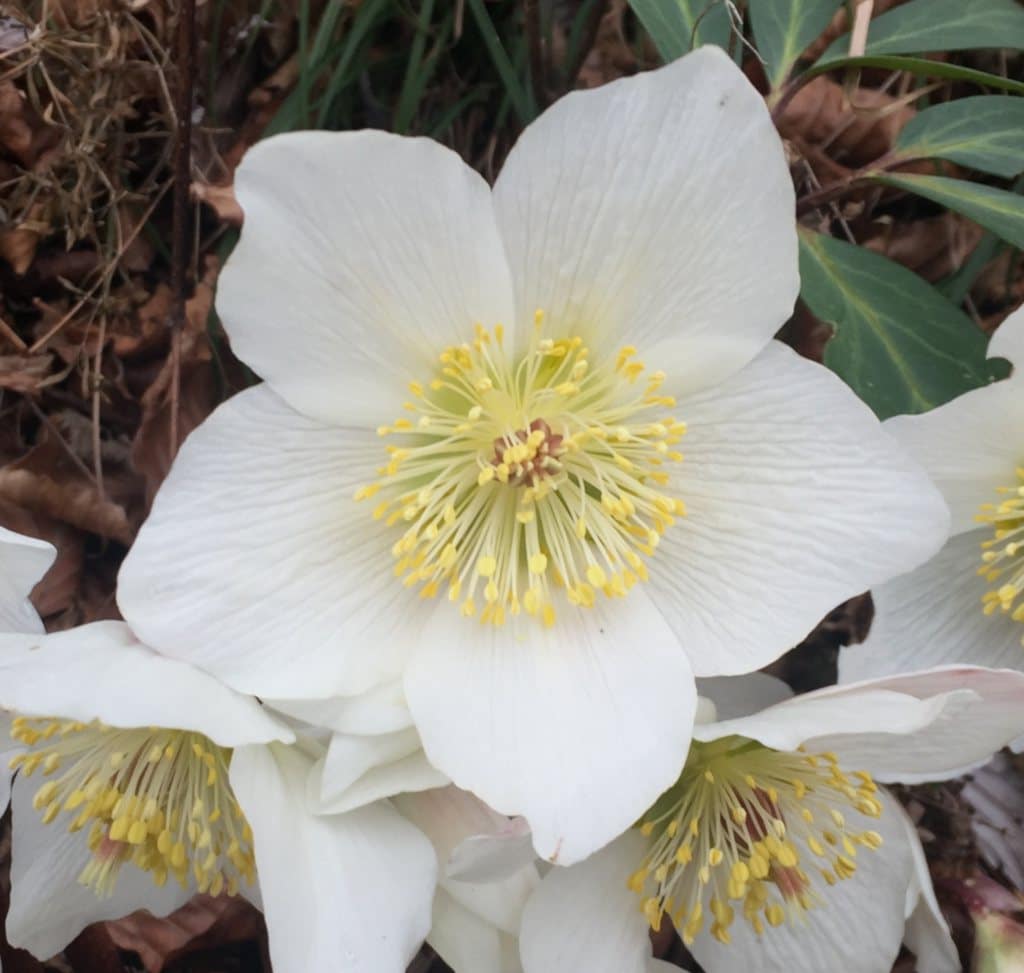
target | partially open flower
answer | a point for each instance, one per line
(531, 450)
(965, 604)
(776, 850)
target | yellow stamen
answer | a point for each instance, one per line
(537, 478)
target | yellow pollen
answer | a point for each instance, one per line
(525, 480)
(736, 835)
(159, 799)
(1002, 555)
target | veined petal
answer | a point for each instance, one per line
(656, 211)
(796, 500)
(48, 905)
(970, 446)
(591, 720)
(370, 868)
(933, 616)
(976, 712)
(824, 714)
(280, 586)
(857, 928)
(585, 917)
(23, 561)
(363, 254)
(100, 671)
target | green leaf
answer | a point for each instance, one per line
(671, 24)
(784, 28)
(917, 66)
(898, 343)
(940, 25)
(995, 209)
(985, 132)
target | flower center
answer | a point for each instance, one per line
(521, 480)
(159, 799)
(741, 826)
(1002, 558)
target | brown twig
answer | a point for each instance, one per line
(180, 236)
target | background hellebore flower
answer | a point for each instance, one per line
(965, 604)
(587, 396)
(141, 780)
(776, 850)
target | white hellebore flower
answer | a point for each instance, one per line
(776, 850)
(966, 604)
(142, 780)
(549, 348)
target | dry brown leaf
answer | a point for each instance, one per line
(200, 924)
(932, 248)
(855, 132)
(47, 481)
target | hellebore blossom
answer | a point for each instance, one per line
(531, 450)
(776, 850)
(141, 780)
(967, 603)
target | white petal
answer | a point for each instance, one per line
(977, 712)
(257, 565)
(656, 211)
(48, 905)
(410, 773)
(101, 672)
(814, 716)
(23, 561)
(933, 616)
(926, 932)
(857, 929)
(447, 816)
(462, 939)
(379, 710)
(970, 446)
(735, 696)
(486, 858)
(350, 756)
(1008, 342)
(796, 500)
(351, 889)
(586, 918)
(578, 727)
(363, 256)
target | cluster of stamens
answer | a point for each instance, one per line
(751, 831)
(159, 799)
(518, 476)
(1002, 558)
